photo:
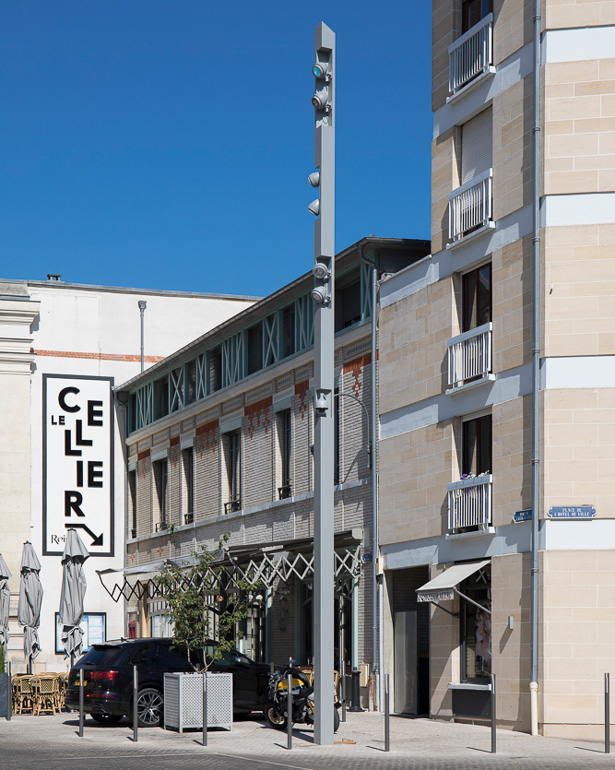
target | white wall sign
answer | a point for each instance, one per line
(78, 462)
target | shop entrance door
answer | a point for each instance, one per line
(406, 662)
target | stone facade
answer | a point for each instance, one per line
(427, 326)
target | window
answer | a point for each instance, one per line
(476, 446)
(288, 331)
(161, 397)
(476, 298)
(215, 369)
(191, 382)
(347, 300)
(132, 625)
(476, 627)
(94, 627)
(160, 626)
(132, 413)
(285, 445)
(233, 471)
(161, 483)
(473, 11)
(336, 438)
(255, 348)
(188, 469)
(132, 502)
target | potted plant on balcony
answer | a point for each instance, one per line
(207, 594)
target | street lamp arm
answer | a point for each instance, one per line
(369, 435)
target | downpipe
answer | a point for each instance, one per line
(535, 371)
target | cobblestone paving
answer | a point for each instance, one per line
(52, 743)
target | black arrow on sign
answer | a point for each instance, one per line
(96, 539)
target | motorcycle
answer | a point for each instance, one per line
(302, 700)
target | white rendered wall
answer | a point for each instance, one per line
(85, 331)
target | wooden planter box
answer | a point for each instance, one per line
(183, 701)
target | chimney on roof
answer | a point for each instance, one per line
(54, 276)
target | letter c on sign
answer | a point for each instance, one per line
(62, 399)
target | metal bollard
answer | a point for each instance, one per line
(135, 709)
(289, 708)
(9, 694)
(81, 696)
(356, 691)
(204, 708)
(493, 715)
(607, 713)
(343, 692)
(387, 715)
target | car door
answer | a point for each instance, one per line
(245, 680)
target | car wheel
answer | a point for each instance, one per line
(149, 707)
(336, 720)
(106, 719)
(275, 716)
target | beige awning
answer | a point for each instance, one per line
(444, 586)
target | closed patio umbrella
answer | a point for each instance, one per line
(5, 595)
(74, 585)
(30, 601)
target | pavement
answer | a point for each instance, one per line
(52, 742)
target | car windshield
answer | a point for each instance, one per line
(101, 656)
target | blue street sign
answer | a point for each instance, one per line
(572, 512)
(522, 515)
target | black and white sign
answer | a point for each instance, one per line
(78, 462)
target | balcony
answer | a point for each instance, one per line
(232, 506)
(285, 492)
(471, 56)
(188, 518)
(469, 357)
(470, 208)
(469, 504)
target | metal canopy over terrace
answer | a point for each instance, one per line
(262, 563)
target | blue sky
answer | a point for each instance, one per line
(166, 145)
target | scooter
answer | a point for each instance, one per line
(276, 710)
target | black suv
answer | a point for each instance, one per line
(108, 678)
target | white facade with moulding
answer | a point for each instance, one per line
(56, 335)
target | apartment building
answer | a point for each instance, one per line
(63, 347)
(220, 440)
(482, 430)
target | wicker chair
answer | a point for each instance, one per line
(46, 693)
(62, 685)
(23, 695)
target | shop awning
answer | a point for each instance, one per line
(265, 563)
(444, 586)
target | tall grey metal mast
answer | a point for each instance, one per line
(324, 332)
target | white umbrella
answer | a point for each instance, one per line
(30, 601)
(5, 596)
(74, 586)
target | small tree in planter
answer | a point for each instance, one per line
(206, 597)
(187, 590)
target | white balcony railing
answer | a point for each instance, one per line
(471, 55)
(469, 503)
(470, 206)
(469, 356)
